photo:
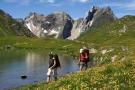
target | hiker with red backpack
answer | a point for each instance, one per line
(83, 57)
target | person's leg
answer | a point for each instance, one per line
(49, 75)
(55, 73)
(81, 66)
(48, 79)
(85, 65)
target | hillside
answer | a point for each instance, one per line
(5, 22)
(113, 47)
(12, 27)
(114, 40)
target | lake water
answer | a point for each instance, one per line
(32, 64)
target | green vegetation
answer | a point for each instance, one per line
(119, 75)
(113, 42)
(115, 39)
(5, 24)
(11, 27)
(25, 43)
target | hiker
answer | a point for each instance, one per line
(83, 59)
(54, 63)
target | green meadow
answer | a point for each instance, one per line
(114, 46)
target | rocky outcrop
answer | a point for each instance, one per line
(95, 18)
(61, 25)
(21, 29)
(58, 25)
(75, 32)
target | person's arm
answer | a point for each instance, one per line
(53, 64)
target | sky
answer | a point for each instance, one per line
(75, 8)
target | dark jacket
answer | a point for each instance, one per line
(55, 58)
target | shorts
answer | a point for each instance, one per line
(83, 64)
(52, 71)
(49, 72)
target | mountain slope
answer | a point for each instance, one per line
(114, 41)
(118, 31)
(96, 17)
(12, 27)
(5, 22)
(114, 45)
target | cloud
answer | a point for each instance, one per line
(47, 1)
(125, 8)
(81, 1)
(51, 1)
(130, 5)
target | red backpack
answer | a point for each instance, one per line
(83, 56)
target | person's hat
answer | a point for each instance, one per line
(81, 50)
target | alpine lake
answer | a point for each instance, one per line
(18, 67)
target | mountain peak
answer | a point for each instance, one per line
(61, 25)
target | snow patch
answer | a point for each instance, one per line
(52, 32)
(45, 31)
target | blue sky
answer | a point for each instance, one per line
(75, 8)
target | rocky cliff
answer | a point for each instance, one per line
(95, 18)
(58, 25)
(76, 30)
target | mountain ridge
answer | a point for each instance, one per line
(62, 24)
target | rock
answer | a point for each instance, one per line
(93, 50)
(123, 30)
(8, 47)
(75, 32)
(58, 25)
(23, 77)
(113, 58)
(104, 51)
(95, 18)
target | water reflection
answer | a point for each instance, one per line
(32, 64)
(34, 60)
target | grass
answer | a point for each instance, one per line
(119, 75)
(108, 74)
(25, 43)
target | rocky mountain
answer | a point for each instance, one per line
(95, 18)
(12, 27)
(75, 32)
(58, 25)
(61, 25)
